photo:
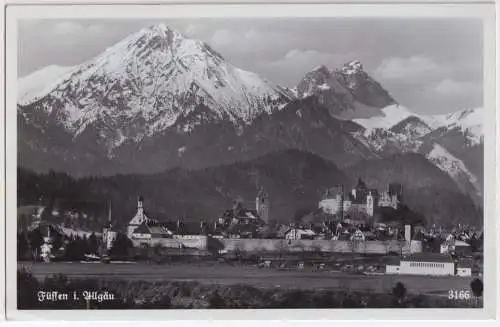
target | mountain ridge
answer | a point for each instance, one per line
(158, 100)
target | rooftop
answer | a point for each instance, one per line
(427, 257)
(465, 263)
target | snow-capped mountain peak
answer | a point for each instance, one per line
(144, 83)
(352, 67)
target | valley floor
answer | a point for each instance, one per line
(225, 274)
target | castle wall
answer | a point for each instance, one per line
(272, 245)
(189, 241)
(202, 242)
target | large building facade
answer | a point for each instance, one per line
(361, 199)
(431, 264)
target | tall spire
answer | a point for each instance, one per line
(140, 208)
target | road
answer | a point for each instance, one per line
(258, 277)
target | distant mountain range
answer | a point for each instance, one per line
(159, 100)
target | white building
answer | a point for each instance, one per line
(423, 264)
(298, 234)
(464, 268)
(139, 218)
(331, 205)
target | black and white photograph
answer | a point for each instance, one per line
(224, 162)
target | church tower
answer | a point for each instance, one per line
(262, 205)
(139, 217)
(340, 202)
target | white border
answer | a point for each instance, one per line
(483, 11)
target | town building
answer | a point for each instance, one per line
(464, 267)
(424, 263)
(232, 220)
(262, 206)
(361, 199)
(294, 233)
(139, 218)
(148, 231)
(455, 246)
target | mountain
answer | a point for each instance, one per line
(387, 128)
(455, 138)
(302, 124)
(39, 83)
(427, 189)
(444, 160)
(469, 122)
(158, 100)
(293, 180)
(348, 92)
(146, 83)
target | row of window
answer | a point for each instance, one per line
(426, 265)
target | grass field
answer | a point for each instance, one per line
(225, 274)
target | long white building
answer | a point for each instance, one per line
(433, 264)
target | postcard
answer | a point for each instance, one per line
(185, 159)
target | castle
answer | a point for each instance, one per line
(361, 199)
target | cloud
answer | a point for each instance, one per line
(453, 87)
(191, 30)
(67, 27)
(222, 38)
(71, 28)
(412, 69)
(250, 41)
(94, 29)
(308, 59)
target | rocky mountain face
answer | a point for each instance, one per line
(159, 100)
(348, 92)
(301, 124)
(147, 83)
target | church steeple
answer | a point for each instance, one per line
(262, 205)
(140, 208)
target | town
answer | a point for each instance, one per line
(348, 232)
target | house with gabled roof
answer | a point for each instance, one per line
(139, 218)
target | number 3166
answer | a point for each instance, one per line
(458, 295)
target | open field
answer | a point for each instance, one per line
(224, 274)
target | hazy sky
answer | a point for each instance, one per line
(430, 66)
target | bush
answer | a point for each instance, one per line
(27, 288)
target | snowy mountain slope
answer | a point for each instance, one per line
(455, 167)
(143, 84)
(468, 121)
(391, 115)
(400, 123)
(175, 101)
(40, 82)
(453, 142)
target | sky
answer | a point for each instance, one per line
(428, 65)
